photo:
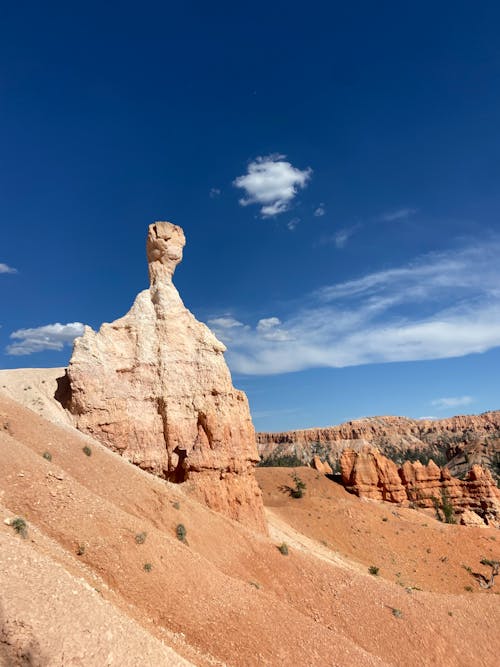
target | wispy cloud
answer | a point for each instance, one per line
(452, 402)
(214, 193)
(398, 214)
(320, 211)
(440, 305)
(342, 236)
(273, 183)
(48, 337)
(5, 268)
(293, 223)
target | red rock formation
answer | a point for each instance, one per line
(463, 440)
(321, 466)
(369, 474)
(154, 387)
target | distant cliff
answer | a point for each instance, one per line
(458, 442)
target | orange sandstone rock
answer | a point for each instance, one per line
(321, 466)
(369, 474)
(154, 387)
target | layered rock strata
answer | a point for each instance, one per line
(460, 442)
(154, 387)
(369, 474)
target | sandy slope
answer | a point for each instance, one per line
(227, 596)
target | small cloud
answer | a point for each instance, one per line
(5, 268)
(224, 323)
(399, 214)
(214, 193)
(293, 223)
(269, 329)
(340, 238)
(49, 337)
(320, 211)
(452, 402)
(272, 182)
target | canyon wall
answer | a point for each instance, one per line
(458, 442)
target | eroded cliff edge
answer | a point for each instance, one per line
(154, 387)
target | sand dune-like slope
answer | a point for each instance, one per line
(227, 595)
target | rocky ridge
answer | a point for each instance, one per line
(154, 387)
(458, 442)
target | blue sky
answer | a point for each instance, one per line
(335, 168)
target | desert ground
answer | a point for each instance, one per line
(99, 576)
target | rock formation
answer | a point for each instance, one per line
(369, 474)
(460, 442)
(321, 466)
(154, 387)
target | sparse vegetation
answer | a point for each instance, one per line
(87, 451)
(176, 505)
(47, 456)
(397, 612)
(373, 569)
(484, 582)
(283, 549)
(281, 461)
(148, 567)
(298, 490)
(444, 508)
(181, 532)
(20, 526)
(469, 589)
(140, 538)
(80, 550)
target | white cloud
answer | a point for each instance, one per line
(5, 268)
(271, 182)
(227, 322)
(320, 211)
(214, 193)
(341, 237)
(440, 305)
(49, 337)
(398, 214)
(293, 223)
(452, 402)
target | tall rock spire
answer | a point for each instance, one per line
(154, 386)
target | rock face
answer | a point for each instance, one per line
(459, 442)
(369, 474)
(321, 466)
(154, 387)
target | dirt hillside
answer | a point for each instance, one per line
(103, 534)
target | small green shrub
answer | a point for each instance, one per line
(300, 487)
(373, 569)
(283, 549)
(140, 538)
(80, 550)
(397, 612)
(87, 451)
(181, 532)
(47, 456)
(148, 567)
(176, 505)
(20, 526)
(469, 589)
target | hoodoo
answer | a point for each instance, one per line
(154, 386)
